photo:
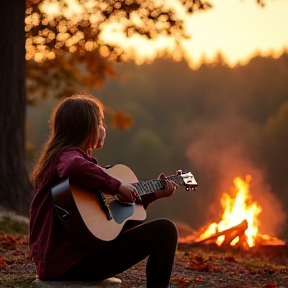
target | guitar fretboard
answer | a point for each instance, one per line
(146, 187)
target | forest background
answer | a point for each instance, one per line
(216, 122)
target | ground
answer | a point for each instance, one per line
(199, 266)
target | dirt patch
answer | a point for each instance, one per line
(202, 266)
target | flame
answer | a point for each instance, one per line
(237, 209)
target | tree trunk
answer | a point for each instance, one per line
(15, 188)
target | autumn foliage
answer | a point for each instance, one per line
(76, 56)
(51, 26)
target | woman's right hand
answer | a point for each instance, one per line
(127, 193)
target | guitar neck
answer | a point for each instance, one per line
(146, 187)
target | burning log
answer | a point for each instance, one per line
(236, 207)
(229, 235)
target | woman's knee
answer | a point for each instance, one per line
(167, 228)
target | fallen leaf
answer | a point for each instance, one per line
(184, 281)
(270, 285)
(8, 242)
(199, 258)
(230, 258)
(23, 240)
(199, 279)
(3, 263)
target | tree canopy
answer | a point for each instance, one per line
(66, 51)
(75, 26)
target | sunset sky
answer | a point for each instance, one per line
(237, 28)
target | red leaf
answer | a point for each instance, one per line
(199, 258)
(23, 240)
(184, 281)
(230, 258)
(270, 285)
(3, 263)
(199, 279)
(8, 242)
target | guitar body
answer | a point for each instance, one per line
(93, 217)
(87, 211)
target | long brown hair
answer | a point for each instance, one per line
(74, 121)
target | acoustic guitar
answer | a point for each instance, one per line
(92, 217)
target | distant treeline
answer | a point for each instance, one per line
(216, 122)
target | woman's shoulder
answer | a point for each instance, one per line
(73, 152)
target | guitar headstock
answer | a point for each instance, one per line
(188, 180)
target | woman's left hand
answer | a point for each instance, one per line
(170, 187)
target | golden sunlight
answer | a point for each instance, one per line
(238, 30)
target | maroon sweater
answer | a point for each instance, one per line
(52, 250)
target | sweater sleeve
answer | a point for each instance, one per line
(148, 199)
(84, 172)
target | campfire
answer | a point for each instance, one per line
(239, 225)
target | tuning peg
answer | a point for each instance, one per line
(190, 188)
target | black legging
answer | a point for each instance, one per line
(156, 239)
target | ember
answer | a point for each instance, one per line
(239, 224)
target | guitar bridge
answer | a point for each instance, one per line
(103, 205)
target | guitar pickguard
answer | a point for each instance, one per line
(120, 211)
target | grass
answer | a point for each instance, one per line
(13, 226)
(23, 281)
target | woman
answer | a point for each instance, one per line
(76, 129)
